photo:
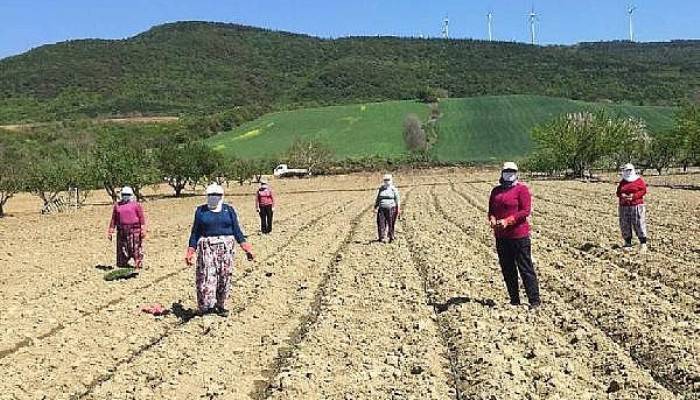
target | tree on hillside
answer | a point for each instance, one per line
(310, 154)
(576, 142)
(48, 177)
(188, 163)
(12, 173)
(662, 150)
(118, 162)
(688, 127)
(414, 136)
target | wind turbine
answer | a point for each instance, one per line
(489, 20)
(630, 11)
(532, 19)
(446, 27)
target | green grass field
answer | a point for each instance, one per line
(488, 128)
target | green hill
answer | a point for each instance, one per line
(204, 68)
(471, 129)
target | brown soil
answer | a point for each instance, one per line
(325, 313)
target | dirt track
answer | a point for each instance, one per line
(324, 313)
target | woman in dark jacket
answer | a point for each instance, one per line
(215, 232)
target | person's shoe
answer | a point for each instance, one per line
(535, 306)
(391, 240)
(627, 247)
(515, 303)
(221, 312)
(643, 248)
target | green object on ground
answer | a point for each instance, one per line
(121, 273)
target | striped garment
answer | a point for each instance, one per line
(215, 255)
(633, 218)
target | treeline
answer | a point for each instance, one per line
(196, 68)
(575, 144)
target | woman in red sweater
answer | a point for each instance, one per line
(129, 220)
(509, 213)
(632, 212)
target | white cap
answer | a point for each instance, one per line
(388, 177)
(509, 166)
(627, 166)
(215, 188)
(127, 190)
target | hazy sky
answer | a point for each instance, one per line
(30, 23)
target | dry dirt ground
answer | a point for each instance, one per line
(325, 313)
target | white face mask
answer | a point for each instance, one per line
(126, 198)
(629, 175)
(214, 200)
(509, 176)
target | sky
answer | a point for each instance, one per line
(26, 24)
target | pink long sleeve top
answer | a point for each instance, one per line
(513, 202)
(127, 214)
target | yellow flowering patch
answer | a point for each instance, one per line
(249, 134)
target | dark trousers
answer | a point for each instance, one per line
(514, 256)
(266, 219)
(386, 222)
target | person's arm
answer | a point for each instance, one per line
(272, 198)
(641, 190)
(142, 218)
(114, 220)
(524, 205)
(240, 236)
(257, 201)
(195, 235)
(397, 199)
(377, 200)
(490, 216)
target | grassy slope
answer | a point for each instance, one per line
(471, 129)
(497, 127)
(355, 130)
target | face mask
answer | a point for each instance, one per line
(629, 175)
(509, 176)
(213, 201)
(126, 198)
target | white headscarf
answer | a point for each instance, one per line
(629, 174)
(127, 194)
(215, 197)
(388, 180)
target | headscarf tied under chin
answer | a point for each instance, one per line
(629, 174)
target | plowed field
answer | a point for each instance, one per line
(327, 313)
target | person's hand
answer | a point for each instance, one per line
(257, 210)
(248, 248)
(273, 209)
(109, 235)
(493, 223)
(143, 235)
(398, 212)
(376, 210)
(189, 256)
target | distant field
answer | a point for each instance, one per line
(471, 129)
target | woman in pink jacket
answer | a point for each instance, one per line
(265, 206)
(129, 220)
(632, 211)
(509, 214)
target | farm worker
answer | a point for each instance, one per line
(215, 231)
(632, 212)
(509, 212)
(387, 206)
(265, 206)
(129, 220)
